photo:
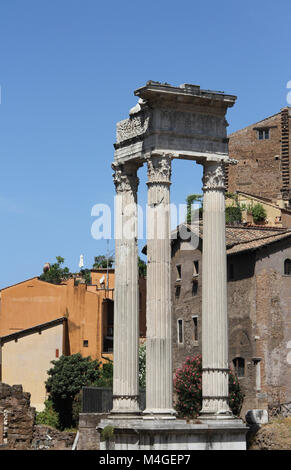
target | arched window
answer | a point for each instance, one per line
(287, 267)
(239, 366)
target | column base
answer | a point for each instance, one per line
(175, 434)
(125, 415)
(217, 416)
(159, 414)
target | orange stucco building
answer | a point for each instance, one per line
(40, 321)
(34, 302)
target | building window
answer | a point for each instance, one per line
(263, 134)
(180, 332)
(239, 366)
(287, 267)
(108, 325)
(177, 292)
(195, 268)
(195, 328)
(179, 271)
(85, 343)
(194, 287)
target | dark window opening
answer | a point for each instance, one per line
(263, 134)
(196, 268)
(287, 267)
(107, 325)
(177, 292)
(239, 366)
(194, 287)
(85, 343)
(179, 270)
(180, 331)
(195, 328)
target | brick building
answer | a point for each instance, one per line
(259, 309)
(264, 161)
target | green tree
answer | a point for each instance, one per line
(142, 267)
(86, 275)
(101, 262)
(56, 274)
(106, 376)
(188, 387)
(190, 200)
(66, 379)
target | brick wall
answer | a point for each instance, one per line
(259, 169)
(17, 417)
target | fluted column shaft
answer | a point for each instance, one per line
(214, 295)
(159, 329)
(126, 292)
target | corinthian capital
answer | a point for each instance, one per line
(159, 168)
(125, 177)
(214, 176)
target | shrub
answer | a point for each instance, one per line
(233, 214)
(142, 365)
(106, 376)
(258, 212)
(188, 387)
(48, 416)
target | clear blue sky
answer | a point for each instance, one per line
(68, 69)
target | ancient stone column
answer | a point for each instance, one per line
(214, 295)
(159, 335)
(126, 292)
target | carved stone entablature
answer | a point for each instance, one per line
(132, 128)
(159, 168)
(214, 176)
(125, 178)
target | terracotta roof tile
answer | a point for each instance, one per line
(239, 239)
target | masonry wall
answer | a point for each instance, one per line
(17, 417)
(28, 360)
(187, 304)
(258, 170)
(259, 312)
(273, 322)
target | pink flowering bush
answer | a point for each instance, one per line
(188, 388)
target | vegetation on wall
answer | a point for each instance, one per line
(56, 273)
(188, 387)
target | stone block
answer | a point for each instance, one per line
(257, 417)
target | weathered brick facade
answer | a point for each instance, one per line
(259, 311)
(264, 164)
